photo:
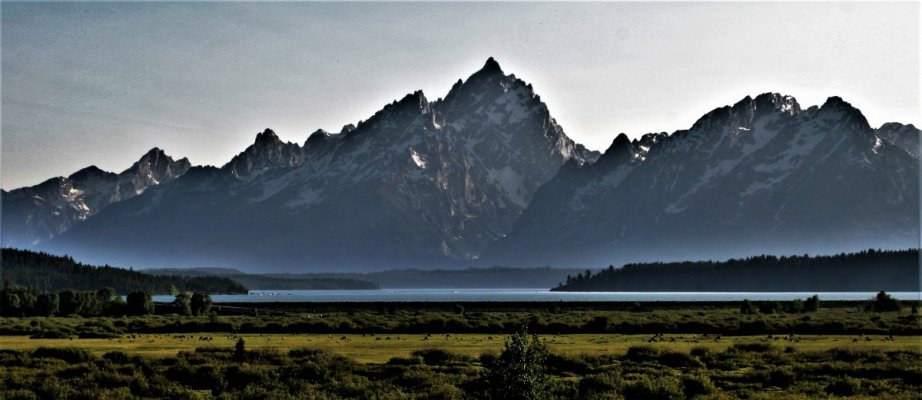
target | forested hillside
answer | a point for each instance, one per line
(271, 282)
(47, 272)
(870, 270)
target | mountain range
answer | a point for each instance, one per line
(486, 176)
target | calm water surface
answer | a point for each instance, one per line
(462, 295)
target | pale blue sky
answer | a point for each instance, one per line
(101, 83)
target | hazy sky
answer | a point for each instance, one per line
(102, 83)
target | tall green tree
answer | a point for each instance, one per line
(10, 303)
(69, 303)
(518, 373)
(46, 305)
(201, 304)
(140, 303)
(183, 301)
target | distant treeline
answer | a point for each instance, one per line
(866, 271)
(273, 282)
(477, 278)
(46, 272)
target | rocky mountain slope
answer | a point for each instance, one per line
(485, 176)
(36, 214)
(419, 183)
(761, 176)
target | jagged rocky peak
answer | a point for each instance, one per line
(773, 102)
(484, 86)
(267, 136)
(318, 136)
(621, 150)
(648, 140)
(898, 127)
(91, 172)
(267, 151)
(905, 136)
(747, 110)
(835, 108)
(156, 166)
(491, 67)
(415, 101)
(346, 129)
(409, 107)
(837, 104)
(620, 141)
(750, 109)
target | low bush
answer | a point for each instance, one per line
(71, 355)
(661, 388)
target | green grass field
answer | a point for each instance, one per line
(380, 348)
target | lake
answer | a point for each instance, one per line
(467, 295)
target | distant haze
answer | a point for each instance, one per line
(101, 83)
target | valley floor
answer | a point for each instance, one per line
(632, 351)
(381, 348)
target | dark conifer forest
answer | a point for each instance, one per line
(46, 272)
(866, 271)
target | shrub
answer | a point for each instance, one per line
(240, 350)
(416, 360)
(642, 353)
(812, 304)
(883, 302)
(438, 357)
(701, 352)
(52, 388)
(676, 359)
(558, 364)
(50, 335)
(697, 385)
(747, 307)
(752, 347)
(845, 386)
(69, 354)
(663, 388)
(796, 306)
(606, 382)
(116, 357)
(782, 377)
(769, 307)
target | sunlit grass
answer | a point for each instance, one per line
(380, 348)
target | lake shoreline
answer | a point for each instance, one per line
(537, 295)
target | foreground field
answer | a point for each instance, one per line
(742, 367)
(381, 348)
(638, 351)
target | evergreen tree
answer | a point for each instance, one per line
(140, 303)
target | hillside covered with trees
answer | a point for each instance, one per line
(272, 282)
(866, 271)
(46, 272)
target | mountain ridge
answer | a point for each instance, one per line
(486, 176)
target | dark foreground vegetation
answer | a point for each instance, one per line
(46, 272)
(769, 367)
(881, 315)
(18, 301)
(865, 271)
(524, 369)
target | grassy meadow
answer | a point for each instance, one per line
(381, 348)
(630, 351)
